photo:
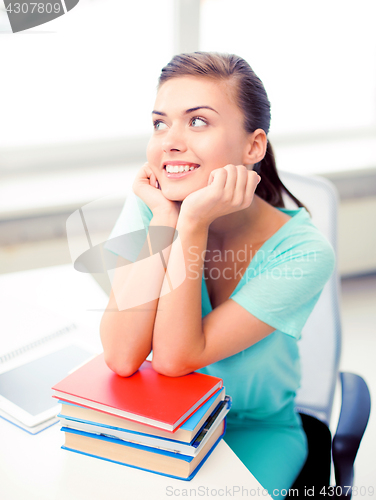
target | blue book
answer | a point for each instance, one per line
(169, 444)
(185, 434)
(154, 460)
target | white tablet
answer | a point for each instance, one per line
(25, 391)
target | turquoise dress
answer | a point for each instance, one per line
(281, 286)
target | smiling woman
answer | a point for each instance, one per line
(201, 135)
(237, 318)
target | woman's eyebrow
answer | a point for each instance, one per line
(190, 110)
(186, 112)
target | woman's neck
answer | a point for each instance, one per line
(230, 227)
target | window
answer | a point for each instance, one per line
(90, 74)
(316, 60)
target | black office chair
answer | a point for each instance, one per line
(320, 347)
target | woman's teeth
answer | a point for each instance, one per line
(175, 169)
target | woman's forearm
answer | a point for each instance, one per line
(178, 337)
(127, 325)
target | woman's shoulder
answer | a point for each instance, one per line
(134, 215)
(128, 234)
(298, 239)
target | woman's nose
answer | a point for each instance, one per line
(174, 140)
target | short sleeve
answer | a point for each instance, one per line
(130, 230)
(283, 290)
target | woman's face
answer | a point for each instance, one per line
(196, 124)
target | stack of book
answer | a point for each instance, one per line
(165, 425)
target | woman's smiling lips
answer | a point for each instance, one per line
(174, 165)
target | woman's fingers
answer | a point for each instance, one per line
(232, 175)
(146, 176)
(232, 181)
(218, 178)
(153, 180)
(252, 181)
(143, 174)
(241, 184)
(229, 189)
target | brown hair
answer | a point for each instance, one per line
(251, 98)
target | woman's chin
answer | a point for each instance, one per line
(175, 194)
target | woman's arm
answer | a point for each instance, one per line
(178, 335)
(182, 341)
(126, 332)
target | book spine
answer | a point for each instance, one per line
(101, 437)
(189, 478)
(210, 422)
(151, 441)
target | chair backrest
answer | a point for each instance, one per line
(320, 344)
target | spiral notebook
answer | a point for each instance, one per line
(27, 326)
(38, 347)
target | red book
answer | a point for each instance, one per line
(146, 396)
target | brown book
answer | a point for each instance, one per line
(142, 457)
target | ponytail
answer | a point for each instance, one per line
(271, 188)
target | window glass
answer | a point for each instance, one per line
(90, 74)
(316, 60)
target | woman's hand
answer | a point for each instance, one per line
(230, 188)
(146, 187)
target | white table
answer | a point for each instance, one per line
(35, 467)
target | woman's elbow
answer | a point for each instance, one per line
(120, 366)
(169, 368)
(120, 362)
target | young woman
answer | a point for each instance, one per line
(253, 269)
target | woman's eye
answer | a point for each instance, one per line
(158, 125)
(198, 122)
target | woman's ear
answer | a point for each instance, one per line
(255, 148)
